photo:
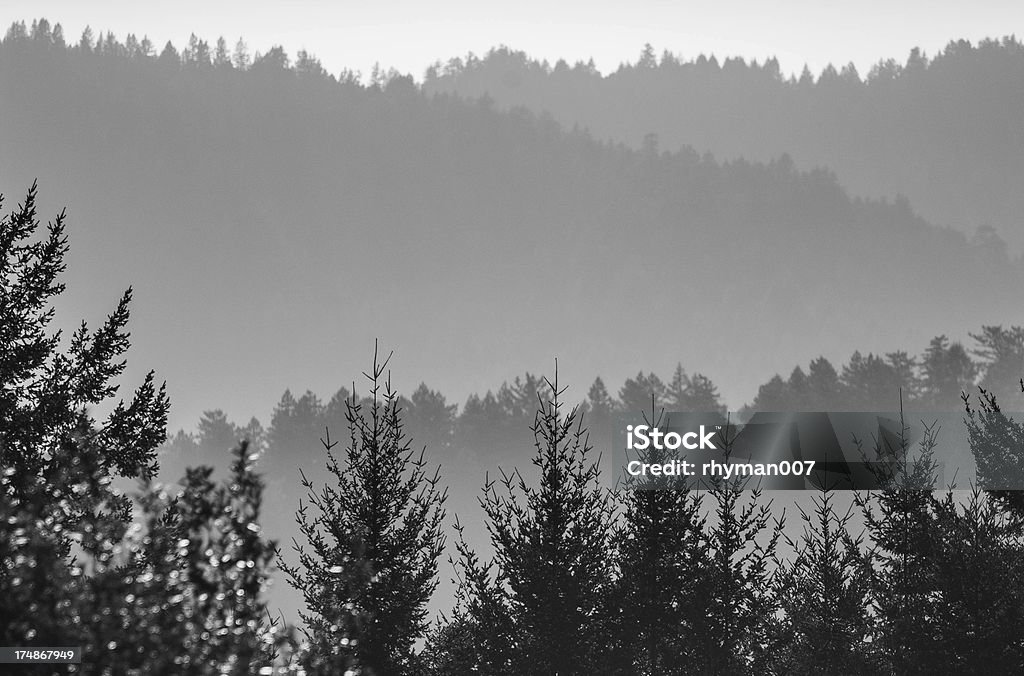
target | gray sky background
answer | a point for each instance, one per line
(409, 35)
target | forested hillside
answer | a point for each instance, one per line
(278, 214)
(946, 130)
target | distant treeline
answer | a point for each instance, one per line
(945, 130)
(489, 426)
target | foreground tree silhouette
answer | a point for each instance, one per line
(738, 599)
(947, 575)
(997, 443)
(899, 523)
(541, 605)
(662, 555)
(184, 592)
(823, 592)
(177, 591)
(979, 614)
(57, 461)
(368, 566)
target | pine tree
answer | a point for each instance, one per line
(635, 394)
(80, 562)
(368, 565)
(772, 396)
(216, 434)
(1002, 353)
(600, 404)
(902, 531)
(997, 444)
(798, 389)
(240, 56)
(823, 592)
(676, 392)
(431, 418)
(540, 607)
(183, 590)
(738, 601)
(58, 463)
(229, 563)
(979, 609)
(823, 386)
(946, 372)
(661, 552)
(221, 57)
(703, 395)
(450, 648)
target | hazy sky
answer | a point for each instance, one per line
(409, 35)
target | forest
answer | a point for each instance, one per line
(274, 220)
(580, 579)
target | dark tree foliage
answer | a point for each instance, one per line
(159, 585)
(431, 418)
(450, 648)
(600, 404)
(945, 587)
(541, 605)
(997, 443)
(904, 555)
(184, 591)
(932, 382)
(692, 393)
(58, 462)
(738, 597)
(946, 372)
(661, 551)
(228, 566)
(1002, 353)
(823, 590)
(368, 563)
(636, 393)
(979, 611)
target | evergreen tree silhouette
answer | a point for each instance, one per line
(823, 386)
(179, 590)
(1002, 353)
(58, 462)
(541, 605)
(184, 592)
(902, 530)
(371, 539)
(946, 372)
(662, 554)
(979, 612)
(738, 601)
(997, 444)
(635, 394)
(823, 592)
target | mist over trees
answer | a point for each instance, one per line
(263, 185)
(943, 129)
(488, 426)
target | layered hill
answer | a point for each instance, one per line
(947, 131)
(275, 220)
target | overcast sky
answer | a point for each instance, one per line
(410, 34)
